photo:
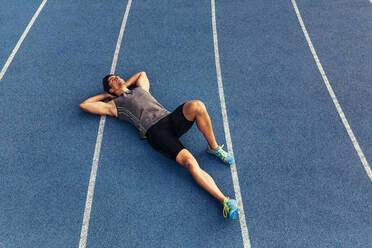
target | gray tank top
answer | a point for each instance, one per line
(140, 108)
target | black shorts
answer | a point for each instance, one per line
(164, 135)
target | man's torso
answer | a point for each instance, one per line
(138, 107)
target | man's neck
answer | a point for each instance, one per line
(122, 90)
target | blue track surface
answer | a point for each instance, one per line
(14, 17)
(302, 182)
(306, 182)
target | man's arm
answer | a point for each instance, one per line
(140, 80)
(94, 105)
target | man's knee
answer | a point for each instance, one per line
(190, 164)
(197, 106)
(186, 159)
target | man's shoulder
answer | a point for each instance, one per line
(140, 89)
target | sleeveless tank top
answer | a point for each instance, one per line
(140, 108)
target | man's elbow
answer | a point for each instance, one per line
(83, 107)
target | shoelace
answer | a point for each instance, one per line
(226, 208)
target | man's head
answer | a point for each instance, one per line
(113, 84)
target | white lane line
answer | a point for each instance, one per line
(234, 173)
(93, 173)
(19, 43)
(333, 96)
(370, 1)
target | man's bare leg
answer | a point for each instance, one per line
(195, 110)
(202, 178)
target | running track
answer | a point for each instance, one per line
(301, 179)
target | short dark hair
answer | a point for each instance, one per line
(105, 82)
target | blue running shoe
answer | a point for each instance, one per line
(221, 154)
(230, 209)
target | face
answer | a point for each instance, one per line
(116, 84)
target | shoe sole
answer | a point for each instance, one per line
(226, 163)
(233, 214)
